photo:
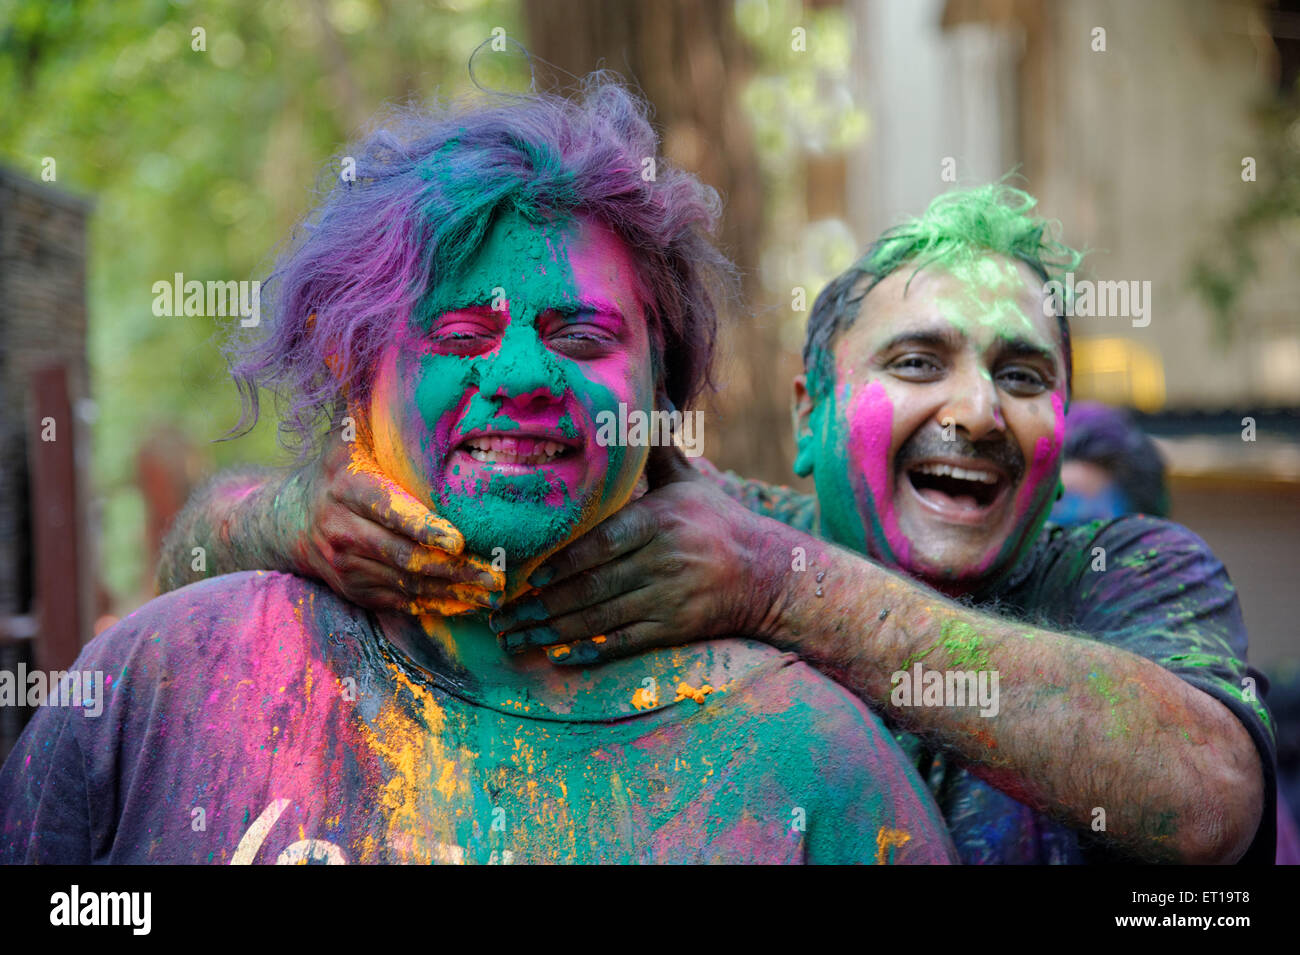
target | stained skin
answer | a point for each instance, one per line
(514, 349)
(903, 373)
(305, 737)
(439, 734)
(1001, 388)
(1050, 782)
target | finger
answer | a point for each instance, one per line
(382, 583)
(625, 531)
(377, 497)
(465, 568)
(606, 582)
(440, 608)
(626, 641)
(585, 623)
(359, 535)
(378, 598)
(373, 594)
(667, 465)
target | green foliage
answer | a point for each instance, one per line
(1221, 275)
(801, 104)
(199, 162)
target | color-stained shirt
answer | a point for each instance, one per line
(1160, 593)
(257, 717)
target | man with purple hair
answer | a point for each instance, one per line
(1121, 721)
(495, 281)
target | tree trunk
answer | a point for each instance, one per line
(688, 59)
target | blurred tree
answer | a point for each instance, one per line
(690, 60)
(199, 130)
(1220, 275)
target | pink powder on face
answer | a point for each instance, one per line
(598, 265)
(1047, 451)
(871, 432)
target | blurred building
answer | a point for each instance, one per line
(46, 595)
(1133, 123)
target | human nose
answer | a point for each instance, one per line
(973, 404)
(523, 369)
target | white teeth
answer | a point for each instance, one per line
(489, 451)
(961, 474)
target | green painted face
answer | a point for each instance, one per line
(487, 408)
(936, 449)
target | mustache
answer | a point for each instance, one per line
(930, 443)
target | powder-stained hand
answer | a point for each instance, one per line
(376, 545)
(683, 563)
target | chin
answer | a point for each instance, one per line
(952, 569)
(524, 516)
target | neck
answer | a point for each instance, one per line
(464, 652)
(464, 656)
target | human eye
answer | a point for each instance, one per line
(580, 333)
(916, 366)
(463, 333)
(1022, 380)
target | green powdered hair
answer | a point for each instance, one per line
(956, 231)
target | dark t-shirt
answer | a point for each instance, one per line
(1154, 589)
(257, 717)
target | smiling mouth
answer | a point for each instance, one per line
(516, 450)
(953, 488)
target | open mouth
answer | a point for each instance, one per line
(950, 487)
(517, 450)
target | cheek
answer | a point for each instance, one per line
(441, 389)
(1043, 459)
(414, 402)
(604, 386)
(388, 419)
(600, 390)
(870, 437)
(872, 414)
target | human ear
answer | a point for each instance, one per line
(801, 417)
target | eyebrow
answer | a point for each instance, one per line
(581, 307)
(933, 338)
(1024, 348)
(469, 307)
(952, 339)
(588, 306)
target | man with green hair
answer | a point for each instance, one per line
(1069, 694)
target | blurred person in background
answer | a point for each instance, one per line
(1111, 467)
